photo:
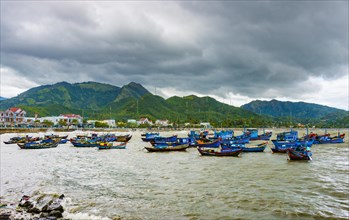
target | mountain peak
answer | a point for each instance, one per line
(132, 89)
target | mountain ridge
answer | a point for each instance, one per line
(102, 101)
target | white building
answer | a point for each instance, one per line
(12, 116)
(110, 122)
(162, 122)
(132, 121)
(143, 121)
(68, 118)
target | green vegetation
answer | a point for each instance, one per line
(102, 101)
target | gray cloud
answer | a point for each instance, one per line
(257, 49)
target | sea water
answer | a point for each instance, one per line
(134, 184)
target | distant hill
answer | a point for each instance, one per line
(277, 108)
(95, 100)
(102, 101)
(2, 98)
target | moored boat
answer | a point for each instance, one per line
(294, 154)
(253, 134)
(214, 144)
(227, 152)
(37, 145)
(112, 145)
(123, 138)
(164, 148)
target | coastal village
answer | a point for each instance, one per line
(16, 117)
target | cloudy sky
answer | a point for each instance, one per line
(234, 51)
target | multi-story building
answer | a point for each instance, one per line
(12, 116)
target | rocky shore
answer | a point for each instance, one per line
(37, 207)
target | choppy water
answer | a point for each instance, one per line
(135, 184)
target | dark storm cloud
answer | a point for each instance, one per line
(258, 49)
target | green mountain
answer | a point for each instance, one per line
(95, 100)
(2, 98)
(277, 108)
(88, 95)
(102, 101)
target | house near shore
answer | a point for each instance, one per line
(163, 123)
(131, 121)
(12, 116)
(144, 121)
(67, 119)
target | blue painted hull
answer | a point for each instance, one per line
(77, 144)
(330, 141)
(289, 144)
(259, 148)
(215, 144)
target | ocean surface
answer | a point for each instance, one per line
(134, 184)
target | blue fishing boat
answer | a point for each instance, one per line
(327, 139)
(252, 148)
(253, 134)
(214, 144)
(197, 136)
(287, 136)
(37, 145)
(150, 136)
(283, 146)
(299, 153)
(88, 143)
(111, 145)
(226, 152)
(234, 140)
(159, 140)
(165, 148)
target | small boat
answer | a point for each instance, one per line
(282, 146)
(123, 138)
(26, 139)
(253, 134)
(287, 136)
(326, 138)
(301, 154)
(164, 148)
(150, 136)
(111, 145)
(37, 145)
(253, 148)
(214, 144)
(224, 152)
(151, 133)
(234, 140)
(89, 143)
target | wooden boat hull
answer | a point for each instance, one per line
(106, 147)
(259, 148)
(124, 138)
(165, 149)
(232, 153)
(298, 155)
(78, 144)
(279, 150)
(37, 146)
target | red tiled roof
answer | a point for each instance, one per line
(71, 115)
(14, 109)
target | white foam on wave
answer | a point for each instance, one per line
(83, 216)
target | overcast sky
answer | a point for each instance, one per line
(234, 51)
